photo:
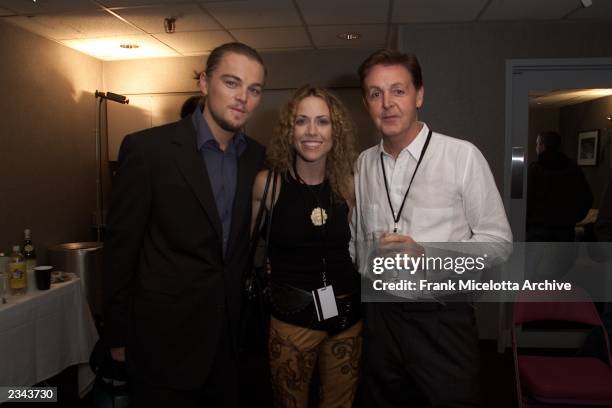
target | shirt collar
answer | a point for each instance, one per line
(205, 135)
(415, 147)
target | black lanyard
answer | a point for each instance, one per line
(321, 209)
(396, 217)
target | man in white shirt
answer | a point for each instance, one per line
(418, 186)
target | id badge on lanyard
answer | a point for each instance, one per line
(325, 302)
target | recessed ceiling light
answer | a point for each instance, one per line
(129, 46)
(349, 36)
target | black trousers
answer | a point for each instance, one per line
(421, 355)
(220, 389)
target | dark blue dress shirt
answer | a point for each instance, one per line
(222, 168)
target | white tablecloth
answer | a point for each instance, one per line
(44, 332)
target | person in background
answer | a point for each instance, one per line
(312, 152)
(175, 251)
(190, 105)
(603, 233)
(558, 195)
(603, 224)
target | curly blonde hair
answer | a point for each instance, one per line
(340, 159)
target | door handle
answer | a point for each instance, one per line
(516, 173)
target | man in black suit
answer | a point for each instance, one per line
(558, 194)
(177, 241)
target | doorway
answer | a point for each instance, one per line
(553, 95)
(540, 78)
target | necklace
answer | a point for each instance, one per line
(318, 215)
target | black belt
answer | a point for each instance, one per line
(295, 306)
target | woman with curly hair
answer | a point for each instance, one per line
(311, 155)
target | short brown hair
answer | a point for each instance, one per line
(389, 57)
(234, 47)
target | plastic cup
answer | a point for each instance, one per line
(43, 277)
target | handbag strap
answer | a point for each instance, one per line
(270, 213)
(258, 219)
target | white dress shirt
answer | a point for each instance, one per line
(453, 197)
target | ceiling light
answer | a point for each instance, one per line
(609, 117)
(349, 36)
(120, 48)
(599, 92)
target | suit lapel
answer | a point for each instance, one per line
(193, 169)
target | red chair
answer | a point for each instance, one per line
(560, 381)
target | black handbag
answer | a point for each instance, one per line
(111, 387)
(255, 312)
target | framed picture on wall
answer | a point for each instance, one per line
(587, 147)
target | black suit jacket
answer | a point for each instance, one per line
(169, 291)
(558, 196)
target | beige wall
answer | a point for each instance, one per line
(285, 70)
(463, 66)
(47, 150)
(162, 84)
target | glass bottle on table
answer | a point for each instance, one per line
(4, 283)
(18, 278)
(29, 252)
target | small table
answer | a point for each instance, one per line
(44, 332)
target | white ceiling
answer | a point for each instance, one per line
(98, 27)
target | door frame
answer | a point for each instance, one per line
(523, 75)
